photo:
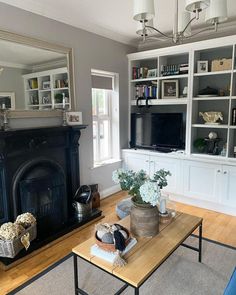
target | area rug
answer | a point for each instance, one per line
(181, 274)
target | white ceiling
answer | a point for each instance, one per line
(22, 56)
(109, 18)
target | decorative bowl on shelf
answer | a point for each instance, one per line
(212, 117)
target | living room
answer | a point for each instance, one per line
(82, 96)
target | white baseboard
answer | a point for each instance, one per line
(109, 191)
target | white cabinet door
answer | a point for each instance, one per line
(174, 166)
(136, 162)
(202, 180)
(228, 196)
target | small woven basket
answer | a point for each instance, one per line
(111, 247)
(11, 248)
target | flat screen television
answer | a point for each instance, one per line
(157, 131)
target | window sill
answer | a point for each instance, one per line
(105, 163)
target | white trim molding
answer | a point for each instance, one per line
(109, 191)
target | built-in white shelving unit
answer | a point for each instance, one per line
(46, 90)
(224, 81)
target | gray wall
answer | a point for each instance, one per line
(11, 81)
(90, 51)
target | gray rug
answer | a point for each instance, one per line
(181, 274)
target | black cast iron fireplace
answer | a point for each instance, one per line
(39, 173)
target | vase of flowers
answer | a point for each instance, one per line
(145, 193)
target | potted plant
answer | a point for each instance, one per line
(145, 192)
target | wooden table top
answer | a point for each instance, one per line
(149, 253)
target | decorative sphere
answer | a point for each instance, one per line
(212, 135)
(107, 238)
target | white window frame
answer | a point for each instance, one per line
(114, 130)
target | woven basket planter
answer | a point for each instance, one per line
(11, 248)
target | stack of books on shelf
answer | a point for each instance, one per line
(170, 70)
(146, 91)
(139, 73)
(110, 256)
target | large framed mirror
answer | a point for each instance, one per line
(36, 77)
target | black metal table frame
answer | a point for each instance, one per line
(79, 291)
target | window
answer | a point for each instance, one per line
(105, 106)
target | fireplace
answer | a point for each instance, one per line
(39, 173)
(39, 187)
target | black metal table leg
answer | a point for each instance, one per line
(200, 244)
(136, 291)
(76, 274)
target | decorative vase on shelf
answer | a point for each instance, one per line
(144, 220)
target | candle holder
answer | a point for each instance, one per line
(167, 209)
(5, 121)
(64, 120)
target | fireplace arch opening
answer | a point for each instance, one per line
(39, 187)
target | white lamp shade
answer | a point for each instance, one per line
(143, 10)
(193, 5)
(184, 19)
(140, 28)
(217, 12)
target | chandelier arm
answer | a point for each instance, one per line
(163, 34)
(191, 20)
(204, 30)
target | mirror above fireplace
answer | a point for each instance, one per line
(36, 77)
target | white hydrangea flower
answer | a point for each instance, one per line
(116, 175)
(150, 192)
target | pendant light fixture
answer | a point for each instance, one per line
(144, 12)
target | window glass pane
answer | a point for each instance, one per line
(104, 139)
(94, 107)
(102, 101)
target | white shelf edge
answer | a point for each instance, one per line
(212, 73)
(144, 80)
(161, 101)
(222, 126)
(212, 98)
(36, 89)
(173, 77)
(45, 90)
(232, 127)
(63, 88)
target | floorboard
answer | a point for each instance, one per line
(216, 226)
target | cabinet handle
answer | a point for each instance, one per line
(218, 171)
(146, 161)
(225, 172)
(151, 161)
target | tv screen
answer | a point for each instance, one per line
(157, 130)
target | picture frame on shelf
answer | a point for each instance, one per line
(202, 66)
(152, 73)
(46, 85)
(170, 89)
(7, 99)
(74, 118)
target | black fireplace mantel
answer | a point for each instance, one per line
(19, 146)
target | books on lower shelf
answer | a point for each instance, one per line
(110, 256)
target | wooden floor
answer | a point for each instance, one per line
(216, 226)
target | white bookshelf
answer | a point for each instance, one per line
(44, 90)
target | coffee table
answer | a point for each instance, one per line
(146, 256)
